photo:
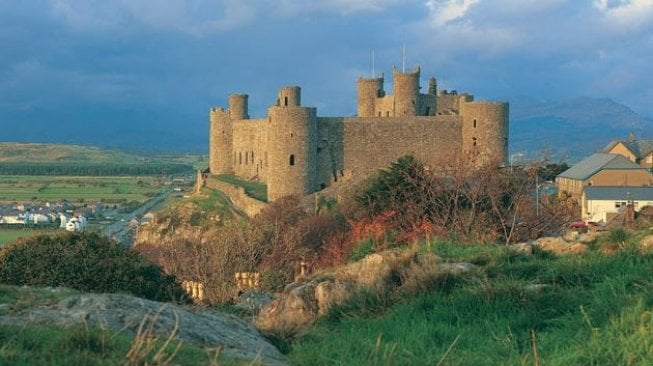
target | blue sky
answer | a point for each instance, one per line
(103, 62)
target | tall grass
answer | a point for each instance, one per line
(586, 310)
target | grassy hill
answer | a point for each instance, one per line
(591, 309)
(15, 152)
(11, 152)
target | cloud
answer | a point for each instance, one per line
(626, 15)
(442, 12)
(286, 8)
(197, 17)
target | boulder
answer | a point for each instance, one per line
(291, 313)
(646, 244)
(521, 248)
(560, 246)
(374, 270)
(126, 313)
(253, 301)
(300, 305)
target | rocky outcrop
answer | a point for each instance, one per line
(301, 304)
(126, 313)
(646, 244)
(560, 246)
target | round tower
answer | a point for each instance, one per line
(289, 96)
(292, 146)
(406, 92)
(238, 106)
(368, 91)
(485, 130)
(220, 142)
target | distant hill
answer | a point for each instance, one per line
(15, 152)
(11, 152)
(573, 128)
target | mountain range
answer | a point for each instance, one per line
(572, 128)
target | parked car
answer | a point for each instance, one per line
(578, 225)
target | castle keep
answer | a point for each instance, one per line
(295, 151)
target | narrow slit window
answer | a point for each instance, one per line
(292, 159)
(285, 101)
(474, 123)
(474, 141)
(240, 158)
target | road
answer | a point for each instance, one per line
(119, 229)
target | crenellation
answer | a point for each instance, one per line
(296, 152)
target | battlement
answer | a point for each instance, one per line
(295, 151)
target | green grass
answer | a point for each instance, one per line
(10, 235)
(89, 189)
(594, 310)
(255, 190)
(49, 345)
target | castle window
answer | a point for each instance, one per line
(291, 134)
(240, 158)
(266, 158)
(234, 157)
(223, 132)
(474, 141)
(246, 154)
(474, 123)
(252, 157)
(379, 114)
(387, 114)
(292, 159)
(285, 101)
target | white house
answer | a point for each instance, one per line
(602, 203)
(76, 224)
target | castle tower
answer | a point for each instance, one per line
(289, 96)
(485, 130)
(238, 106)
(292, 145)
(406, 92)
(368, 91)
(220, 142)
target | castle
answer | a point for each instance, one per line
(294, 151)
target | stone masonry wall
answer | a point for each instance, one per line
(250, 148)
(237, 196)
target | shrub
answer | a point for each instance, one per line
(86, 262)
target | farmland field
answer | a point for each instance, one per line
(8, 236)
(87, 189)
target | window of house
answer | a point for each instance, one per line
(649, 159)
(619, 204)
(292, 159)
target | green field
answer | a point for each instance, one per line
(88, 189)
(255, 190)
(8, 236)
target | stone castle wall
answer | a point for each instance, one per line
(237, 196)
(296, 152)
(250, 148)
